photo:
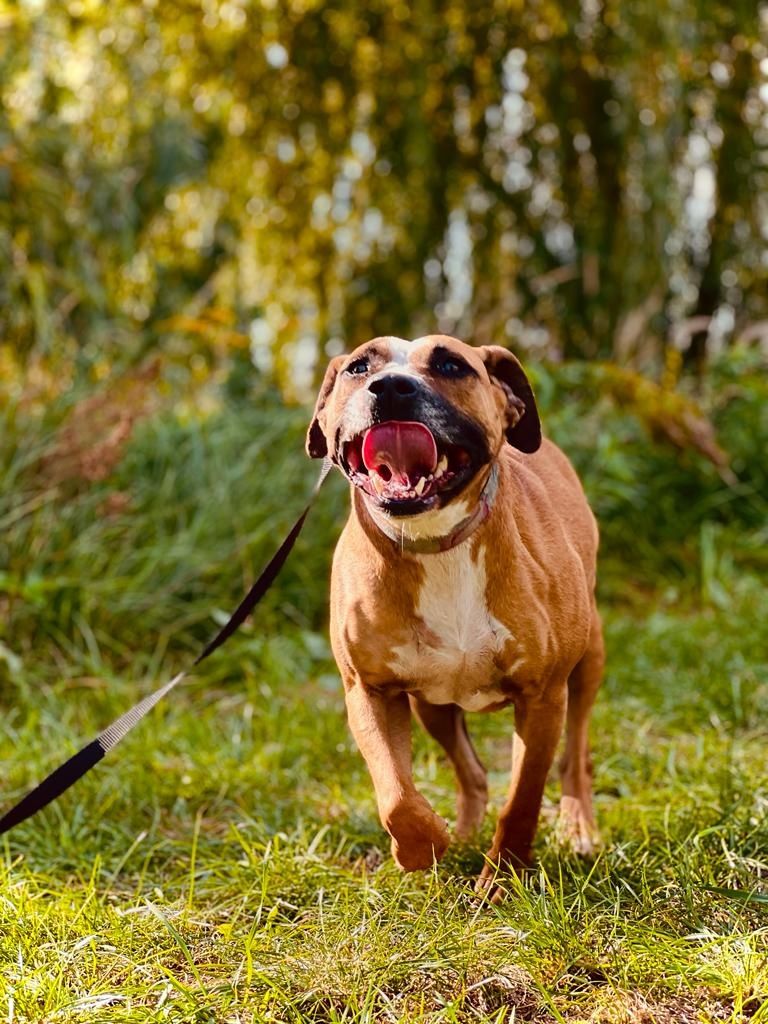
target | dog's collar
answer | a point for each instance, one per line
(463, 531)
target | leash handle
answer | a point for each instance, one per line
(79, 764)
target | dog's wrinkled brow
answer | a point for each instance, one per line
(389, 350)
(371, 350)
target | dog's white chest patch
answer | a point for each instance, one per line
(453, 654)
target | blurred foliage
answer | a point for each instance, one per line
(584, 180)
(141, 539)
(656, 478)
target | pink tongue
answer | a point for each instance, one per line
(406, 449)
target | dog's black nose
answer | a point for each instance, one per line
(393, 386)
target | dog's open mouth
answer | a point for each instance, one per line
(403, 467)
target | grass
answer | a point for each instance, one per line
(226, 863)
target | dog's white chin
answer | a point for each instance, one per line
(431, 525)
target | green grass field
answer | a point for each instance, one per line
(226, 863)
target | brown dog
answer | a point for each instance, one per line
(463, 581)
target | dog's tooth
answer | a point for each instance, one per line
(378, 483)
(442, 466)
(419, 488)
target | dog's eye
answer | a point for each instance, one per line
(358, 367)
(451, 366)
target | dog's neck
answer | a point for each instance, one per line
(443, 529)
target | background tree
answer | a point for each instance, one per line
(578, 180)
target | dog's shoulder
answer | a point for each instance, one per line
(548, 498)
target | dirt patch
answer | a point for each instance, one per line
(509, 987)
(634, 1008)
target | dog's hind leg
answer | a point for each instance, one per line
(577, 822)
(446, 724)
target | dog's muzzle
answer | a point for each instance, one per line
(416, 451)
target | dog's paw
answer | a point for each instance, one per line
(419, 836)
(487, 886)
(502, 872)
(576, 831)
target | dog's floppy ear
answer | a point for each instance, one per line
(523, 424)
(317, 446)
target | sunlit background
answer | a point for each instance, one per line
(282, 180)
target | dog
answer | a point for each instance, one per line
(464, 580)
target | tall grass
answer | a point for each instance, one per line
(227, 863)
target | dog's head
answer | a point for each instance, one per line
(412, 423)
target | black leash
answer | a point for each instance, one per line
(75, 768)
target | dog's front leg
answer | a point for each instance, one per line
(538, 726)
(381, 725)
